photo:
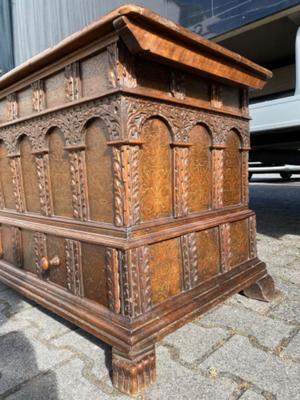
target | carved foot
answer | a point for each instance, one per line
(263, 289)
(132, 375)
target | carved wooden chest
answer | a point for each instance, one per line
(124, 182)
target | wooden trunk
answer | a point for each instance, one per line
(124, 183)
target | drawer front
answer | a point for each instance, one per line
(78, 267)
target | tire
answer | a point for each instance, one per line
(286, 176)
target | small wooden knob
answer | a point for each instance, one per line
(45, 264)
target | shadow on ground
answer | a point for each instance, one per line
(277, 206)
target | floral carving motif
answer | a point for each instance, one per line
(40, 249)
(180, 181)
(72, 82)
(38, 96)
(113, 279)
(252, 236)
(12, 107)
(189, 260)
(16, 171)
(217, 176)
(225, 243)
(42, 169)
(74, 267)
(245, 185)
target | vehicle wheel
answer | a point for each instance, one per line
(286, 176)
(249, 176)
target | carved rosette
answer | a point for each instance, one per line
(113, 280)
(217, 176)
(42, 169)
(126, 184)
(17, 246)
(38, 96)
(74, 267)
(12, 107)
(72, 82)
(181, 179)
(245, 177)
(225, 243)
(252, 237)
(16, 171)
(135, 284)
(133, 375)
(189, 260)
(79, 184)
(40, 249)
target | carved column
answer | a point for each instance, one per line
(79, 182)
(252, 237)
(245, 175)
(126, 181)
(225, 246)
(72, 82)
(12, 107)
(43, 173)
(74, 267)
(181, 179)
(217, 175)
(38, 96)
(189, 260)
(17, 181)
(128, 281)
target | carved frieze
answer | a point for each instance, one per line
(189, 260)
(72, 82)
(42, 169)
(74, 267)
(38, 96)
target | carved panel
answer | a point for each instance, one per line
(74, 267)
(113, 280)
(225, 246)
(155, 169)
(200, 170)
(99, 170)
(177, 85)
(11, 243)
(126, 184)
(94, 273)
(136, 291)
(166, 269)
(78, 184)
(232, 170)
(7, 197)
(217, 177)
(28, 248)
(12, 107)
(252, 237)
(60, 175)
(181, 180)
(239, 233)
(38, 96)
(29, 175)
(72, 81)
(189, 260)
(94, 74)
(43, 173)
(17, 181)
(208, 251)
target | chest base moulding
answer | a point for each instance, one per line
(124, 183)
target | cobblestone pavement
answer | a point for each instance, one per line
(243, 349)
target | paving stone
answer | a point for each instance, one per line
(177, 382)
(96, 352)
(288, 310)
(251, 395)
(193, 342)
(293, 348)
(261, 307)
(268, 332)
(47, 325)
(12, 302)
(289, 289)
(65, 383)
(3, 287)
(287, 274)
(23, 357)
(265, 370)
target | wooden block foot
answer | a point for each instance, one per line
(263, 289)
(132, 375)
